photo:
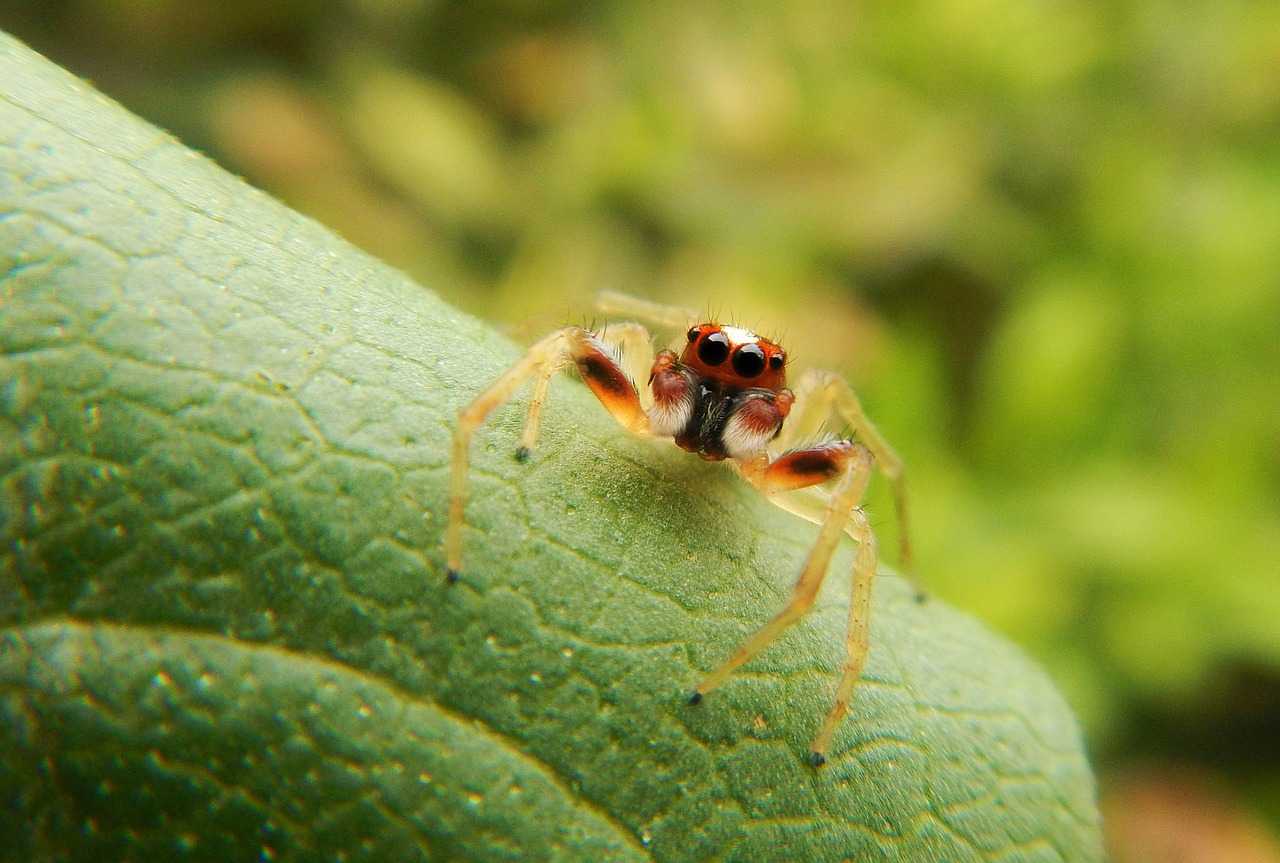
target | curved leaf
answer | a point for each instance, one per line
(224, 440)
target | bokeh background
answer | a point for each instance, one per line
(1041, 237)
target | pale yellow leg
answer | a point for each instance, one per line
(657, 315)
(569, 345)
(821, 395)
(533, 422)
(840, 509)
(857, 636)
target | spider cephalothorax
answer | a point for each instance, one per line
(724, 397)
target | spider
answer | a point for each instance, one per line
(723, 398)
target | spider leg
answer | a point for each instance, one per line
(852, 463)
(822, 394)
(628, 345)
(632, 347)
(533, 420)
(571, 345)
(659, 315)
(856, 637)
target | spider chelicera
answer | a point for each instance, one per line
(723, 398)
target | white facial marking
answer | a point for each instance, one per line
(739, 336)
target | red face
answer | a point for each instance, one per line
(735, 357)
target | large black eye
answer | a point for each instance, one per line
(714, 349)
(748, 360)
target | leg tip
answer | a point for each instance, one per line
(817, 759)
(695, 699)
(451, 576)
(523, 453)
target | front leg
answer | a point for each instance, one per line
(628, 345)
(821, 395)
(852, 463)
(570, 345)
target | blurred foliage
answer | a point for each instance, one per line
(1042, 238)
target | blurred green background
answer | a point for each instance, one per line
(1041, 238)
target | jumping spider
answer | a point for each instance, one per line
(724, 398)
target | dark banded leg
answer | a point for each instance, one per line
(569, 345)
(629, 345)
(852, 463)
(802, 468)
(632, 346)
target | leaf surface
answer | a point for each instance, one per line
(224, 443)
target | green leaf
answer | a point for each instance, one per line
(224, 442)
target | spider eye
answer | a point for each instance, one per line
(777, 361)
(693, 333)
(748, 360)
(714, 349)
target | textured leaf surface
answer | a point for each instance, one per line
(224, 440)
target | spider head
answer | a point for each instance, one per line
(735, 357)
